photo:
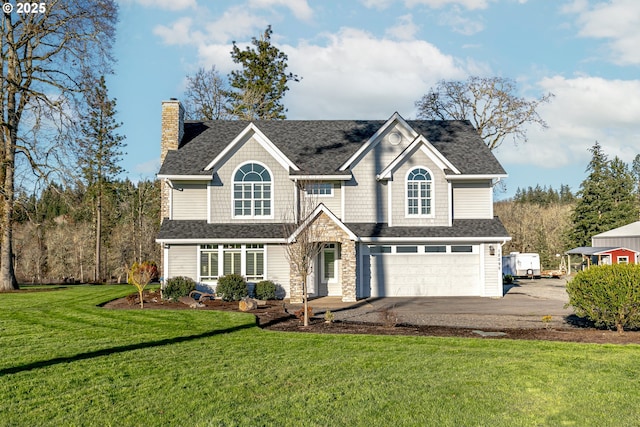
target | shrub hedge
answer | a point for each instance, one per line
(265, 290)
(177, 287)
(608, 295)
(232, 287)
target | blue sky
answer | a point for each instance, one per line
(366, 59)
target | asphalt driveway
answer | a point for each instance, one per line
(523, 305)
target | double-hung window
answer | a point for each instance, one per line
(255, 262)
(232, 259)
(252, 196)
(208, 262)
(419, 192)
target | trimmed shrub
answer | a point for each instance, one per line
(232, 287)
(177, 287)
(265, 290)
(608, 295)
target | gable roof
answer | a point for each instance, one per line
(251, 131)
(321, 208)
(629, 230)
(321, 147)
(419, 143)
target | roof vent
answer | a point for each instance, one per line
(394, 138)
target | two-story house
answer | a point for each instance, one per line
(405, 206)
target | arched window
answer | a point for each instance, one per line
(252, 191)
(419, 196)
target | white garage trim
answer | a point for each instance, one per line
(409, 270)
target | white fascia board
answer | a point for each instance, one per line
(208, 241)
(312, 216)
(462, 177)
(320, 177)
(367, 145)
(420, 142)
(248, 132)
(186, 177)
(434, 239)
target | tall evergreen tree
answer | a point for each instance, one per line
(593, 200)
(606, 198)
(258, 88)
(100, 150)
(623, 192)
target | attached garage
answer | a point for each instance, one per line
(424, 270)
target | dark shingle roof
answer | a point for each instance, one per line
(470, 228)
(322, 146)
(200, 229)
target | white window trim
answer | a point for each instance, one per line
(624, 258)
(243, 260)
(475, 249)
(233, 204)
(307, 194)
(406, 198)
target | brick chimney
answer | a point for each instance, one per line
(172, 126)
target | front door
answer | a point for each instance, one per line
(329, 267)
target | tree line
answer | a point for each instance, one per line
(54, 232)
(550, 222)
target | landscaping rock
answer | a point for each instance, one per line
(190, 302)
(248, 304)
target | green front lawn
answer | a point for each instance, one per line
(65, 361)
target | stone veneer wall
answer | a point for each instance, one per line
(171, 135)
(327, 231)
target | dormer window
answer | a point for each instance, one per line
(419, 192)
(252, 196)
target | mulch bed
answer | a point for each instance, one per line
(275, 317)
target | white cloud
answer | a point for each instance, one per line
(584, 110)
(436, 4)
(359, 76)
(460, 24)
(168, 4)
(405, 28)
(178, 33)
(299, 8)
(617, 21)
(235, 23)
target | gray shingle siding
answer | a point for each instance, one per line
(222, 190)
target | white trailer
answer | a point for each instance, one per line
(519, 264)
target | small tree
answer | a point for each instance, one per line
(304, 246)
(489, 103)
(608, 295)
(140, 275)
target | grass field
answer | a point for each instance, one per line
(65, 361)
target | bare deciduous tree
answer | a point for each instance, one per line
(304, 245)
(206, 96)
(490, 103)
(44, 57)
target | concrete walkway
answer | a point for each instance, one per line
(523, 306)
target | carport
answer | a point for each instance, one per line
(605, 255)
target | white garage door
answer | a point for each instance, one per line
(400, 275)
